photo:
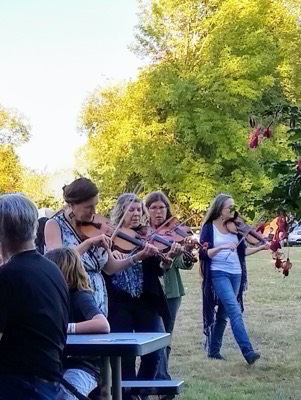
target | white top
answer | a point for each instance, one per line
(225, 260)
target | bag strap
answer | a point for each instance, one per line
(73, 390)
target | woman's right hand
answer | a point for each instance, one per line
(117, 255)
(231, 246)
(100, 241)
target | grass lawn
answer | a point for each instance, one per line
(272, 316)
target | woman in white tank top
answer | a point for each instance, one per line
(224, 279)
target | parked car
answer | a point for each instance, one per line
(294, 237)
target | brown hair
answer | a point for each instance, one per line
(80, 190)
(158, 196)
(216, 207)
(70, 263)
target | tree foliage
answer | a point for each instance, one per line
(182, 126)
(36, 185)
(14, 129)
(286, 193)
(10, 170)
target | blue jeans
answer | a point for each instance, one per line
(13, 387)
(226, 287)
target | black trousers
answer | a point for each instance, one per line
(127, 314)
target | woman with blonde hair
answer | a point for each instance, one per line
(136, 299)
(85, 317)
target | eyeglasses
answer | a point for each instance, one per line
(158, 208)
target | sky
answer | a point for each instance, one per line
(53, 54)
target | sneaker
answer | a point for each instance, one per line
(254, 357)
(217, 357)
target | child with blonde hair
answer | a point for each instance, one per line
(85, 317)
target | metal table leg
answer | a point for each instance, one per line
(116, 378)
(106, 379)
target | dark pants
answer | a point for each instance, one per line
(13, 387)
(173, 305)
(136, 315)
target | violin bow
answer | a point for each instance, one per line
(182, 223)
(161, 226)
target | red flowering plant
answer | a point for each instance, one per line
(286, 193)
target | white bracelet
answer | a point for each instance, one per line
(71, 328)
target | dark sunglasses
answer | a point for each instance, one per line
(231, 208)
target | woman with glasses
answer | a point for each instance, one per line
(159, 209)
(136, 298)
(224, 279)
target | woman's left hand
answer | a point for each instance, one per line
(265, 246)
(189, 243)
(174, 251)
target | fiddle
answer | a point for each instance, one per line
(125, 240)
(98, 226)
(179, 232)
(163, 241)
(237, 225)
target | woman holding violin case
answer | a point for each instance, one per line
(68, 228)
(225, 277)
(136, 299)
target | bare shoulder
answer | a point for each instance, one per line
(52, 234)
(52, 224)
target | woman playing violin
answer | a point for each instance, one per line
(64, 229)
(225, 279)
(136, 299)
(159, 209)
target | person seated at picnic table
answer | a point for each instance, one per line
(34, 306)
(82, 373)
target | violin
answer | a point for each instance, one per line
(237, 225)
(98, 226)
(126, 240)
(163, 241)
(179, 232)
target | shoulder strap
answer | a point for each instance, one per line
(73, 390)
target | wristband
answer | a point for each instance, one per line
(71, 328)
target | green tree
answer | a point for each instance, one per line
(36, 186)
(14, 130)
(10, 170)
(182, 126)
(286, 193)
